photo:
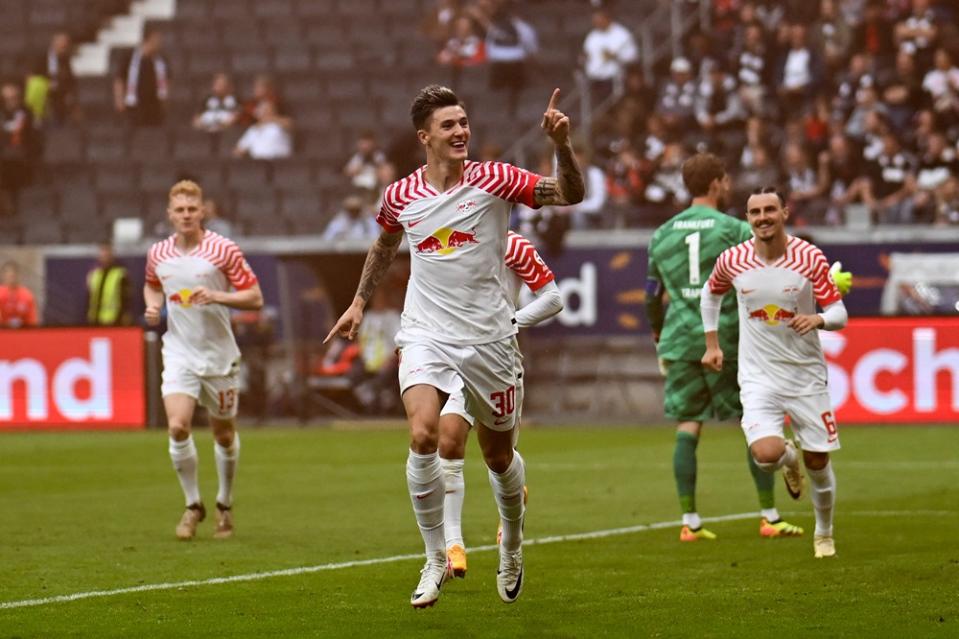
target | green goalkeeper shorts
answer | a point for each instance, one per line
(694, 394)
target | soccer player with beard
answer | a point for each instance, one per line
(681, 254)
(458, 329)
(779, 280)
(200, 276)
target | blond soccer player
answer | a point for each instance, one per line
(200, 276)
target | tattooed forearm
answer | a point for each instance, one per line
(378, 261)
(570, 176)
(568, 186)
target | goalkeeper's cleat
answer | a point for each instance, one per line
(192, 516)
(778, 528)
(432, 578)
(456, 555)
(499, 528)
(824, 546)
(509, 576)
(224, 522)
(792, 473)
(688, 534)
(842, 279)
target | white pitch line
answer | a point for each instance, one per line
(289, 572)
(303, 570)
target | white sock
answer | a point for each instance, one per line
(226, 461)
(424, 477)
(692, 520)
(823, 495)
(453, 504)
(508, 492)
(771, 514)
(185, 464)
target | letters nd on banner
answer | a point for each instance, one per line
(894, 370)
(74, 378)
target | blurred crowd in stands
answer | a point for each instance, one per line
(844, 103)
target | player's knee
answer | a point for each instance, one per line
(451, 447)
(423, 440)
(815, 461)
(224, 437)
(766, 466)
(498, 461)
(178, 429)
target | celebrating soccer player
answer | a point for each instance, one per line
(681, 252)
(200, 276)
(528, 268)
(458, 330)
(779, 280)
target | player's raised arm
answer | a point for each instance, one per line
(378, 261)
(568, 186)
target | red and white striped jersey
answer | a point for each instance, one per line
(771, 354)
(200, 336)
(526, 267)
(457, 288)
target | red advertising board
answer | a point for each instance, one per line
(76, 378)
(889, 370)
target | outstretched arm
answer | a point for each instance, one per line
(568, 186)
(378, 261)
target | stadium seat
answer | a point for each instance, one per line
(78, 203)
(292, 174)
(240, 31)
(158, 177)
(227, 9)
(247, 175)
(115, 177)
(63, 144)
(106, 147)
(250, 61)
(149, 145)
(120, 204)
(273, 8)
(292, 59)
(203, 63)
(283, 32)
(314, 7)
(191, 144)
(37, 202)
(42, 231)
(304, 211)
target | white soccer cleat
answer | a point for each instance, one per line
(824, 546)
(432, 578)
(509, 576)
(792, 473)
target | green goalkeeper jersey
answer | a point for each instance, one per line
(681, 257)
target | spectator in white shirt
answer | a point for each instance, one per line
(267, 139)
(608, 49)
(353, 222)
(942, 85)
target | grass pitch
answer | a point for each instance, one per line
(96, 512)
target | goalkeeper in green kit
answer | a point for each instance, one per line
(682, 253)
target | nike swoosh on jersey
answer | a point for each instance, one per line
(416, 223)
(500, 422)
(747, 291)
(424, 495)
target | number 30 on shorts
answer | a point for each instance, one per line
(504, 402)
(227, 400)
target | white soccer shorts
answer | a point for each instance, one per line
(219, 394)
(811, 418)
(456, 404)
(484, 374)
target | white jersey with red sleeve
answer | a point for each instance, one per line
(457, 288)
(526, 267)
(771, 354)
(200, 336)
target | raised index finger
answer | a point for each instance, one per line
(552, 100)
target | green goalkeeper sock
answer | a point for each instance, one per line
(684, 467)
(764, 482)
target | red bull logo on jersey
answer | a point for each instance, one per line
(181, 298)
(446, 240)
(772, 314)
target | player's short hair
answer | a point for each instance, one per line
(188, 188)
(699, 172)
(430, 99)
(764, 190)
